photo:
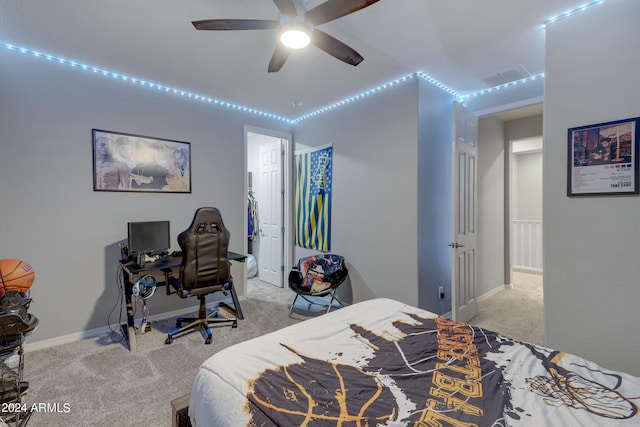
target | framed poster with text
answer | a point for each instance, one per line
(603, 159)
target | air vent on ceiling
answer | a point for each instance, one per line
(507, 75)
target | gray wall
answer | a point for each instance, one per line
(47, 152)
(374, 206)
(495, 166)
(529, 127)
(526, 128)
(518, 129)
(491, 205)
(527, 178)
(52, 218)
(69, 233)
(435, 182)
(591, 269)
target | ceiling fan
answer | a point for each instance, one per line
(297, 27)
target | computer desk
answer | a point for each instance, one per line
(167, 266)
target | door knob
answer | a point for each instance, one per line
(456, 245)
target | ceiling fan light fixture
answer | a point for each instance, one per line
(295, 35)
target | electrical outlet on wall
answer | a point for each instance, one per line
(441, 292)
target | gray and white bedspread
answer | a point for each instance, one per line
(385, 363)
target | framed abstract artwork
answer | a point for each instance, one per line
(127, 162)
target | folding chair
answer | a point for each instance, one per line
(318, 276)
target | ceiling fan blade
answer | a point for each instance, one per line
(336, 48)
(286, 7)
(334, 9)
(235, 24)
(279, 58)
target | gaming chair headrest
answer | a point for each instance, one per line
(204, 250)
(204, 219)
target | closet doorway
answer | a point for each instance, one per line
(267, 167)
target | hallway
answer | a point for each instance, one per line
(518, 312)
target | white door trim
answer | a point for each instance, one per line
(287, 185)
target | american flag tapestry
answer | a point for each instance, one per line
(313, 177)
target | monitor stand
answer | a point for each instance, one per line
(141, 259)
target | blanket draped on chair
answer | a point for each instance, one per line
(316, 270)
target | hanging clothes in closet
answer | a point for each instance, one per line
(252, 226)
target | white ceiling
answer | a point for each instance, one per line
(457, 42)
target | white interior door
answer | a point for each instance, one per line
(270, 200)
(465, 150)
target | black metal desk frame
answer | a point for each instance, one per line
(167, 265)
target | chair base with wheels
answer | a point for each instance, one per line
(204, 321)
(318, 276)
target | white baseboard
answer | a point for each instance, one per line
(92, 333)
(493, 292)
(531, 270)
(482, 297)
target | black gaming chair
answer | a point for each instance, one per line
(205, 270)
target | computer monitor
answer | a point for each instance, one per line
(148, 237)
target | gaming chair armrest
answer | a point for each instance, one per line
(174, 287)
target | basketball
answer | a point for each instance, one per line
(15, 275)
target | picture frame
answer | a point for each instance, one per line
(137, 163)
(603, 159)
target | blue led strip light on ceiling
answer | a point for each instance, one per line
(434, 82)
(503, 86)
(142, 82)
(378, 89)
(357, 97)
(572, 11)
(335, 105)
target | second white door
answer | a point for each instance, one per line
(465, 149)
(270, 218)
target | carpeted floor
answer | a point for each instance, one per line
(517, 312)
(106, 385)
(98, 382)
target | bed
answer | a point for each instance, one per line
(385, 363)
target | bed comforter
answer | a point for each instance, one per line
(385, 363)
